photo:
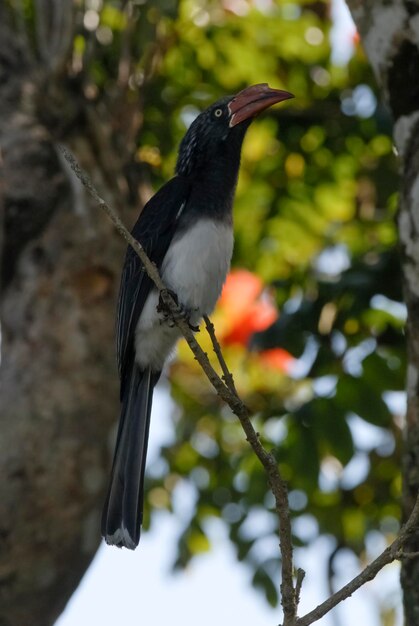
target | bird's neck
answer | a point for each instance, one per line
(213, 188)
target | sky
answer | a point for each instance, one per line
(131, 588)
(128, 588)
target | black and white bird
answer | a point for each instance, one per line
(187, 231)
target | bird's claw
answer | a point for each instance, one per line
(170, 316)
(162, 306)
(167, 315)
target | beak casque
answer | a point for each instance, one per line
(253, 100)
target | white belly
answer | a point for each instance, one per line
(195, 268)
(196, 265)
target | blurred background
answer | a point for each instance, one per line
(311, 319)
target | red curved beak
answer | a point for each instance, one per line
(253, 100)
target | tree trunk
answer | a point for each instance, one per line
(390, 35)
(60, 272)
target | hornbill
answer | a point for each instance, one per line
(187, 231)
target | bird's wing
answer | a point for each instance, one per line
(154, 230)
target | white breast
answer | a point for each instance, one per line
(195, 268)
(196, 265)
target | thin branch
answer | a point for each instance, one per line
(389, 555)
(401, 555)
(298, 584)
(229, 396)
(227, 375)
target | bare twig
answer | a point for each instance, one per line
(402, 555)
(389, 555)
(298, 584)
(227, 375)
(227, 394)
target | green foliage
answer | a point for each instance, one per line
(312, 179)
(314, 218)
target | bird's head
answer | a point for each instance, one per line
(219, 130)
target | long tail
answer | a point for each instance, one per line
(123, 511)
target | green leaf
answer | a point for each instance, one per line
(333, 430)
(356, 396)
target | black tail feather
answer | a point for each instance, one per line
(123, 510)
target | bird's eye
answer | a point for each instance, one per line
(218, 112)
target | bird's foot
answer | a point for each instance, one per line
(169, 316)
(162, 306)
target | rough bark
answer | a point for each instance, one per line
(58, 378)
(59, 399)
(390, 34)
